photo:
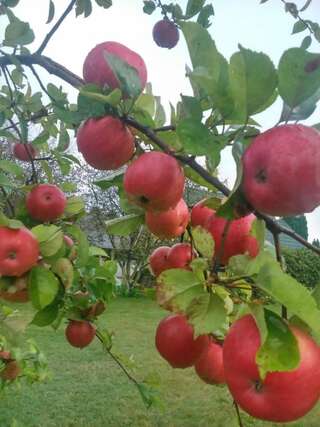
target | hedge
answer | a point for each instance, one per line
(303, 265)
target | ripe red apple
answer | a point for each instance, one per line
(200, 214)
(209, 366)
(68, 241)
(11, 369)
(158, 260)
(80, 333)
(154, 181)
(176, 343)
(281, 171)
(46, 202)
(19, 251)
(165, 33)
(17, 291)
(97, 70)
(238, 240)
(281, 396)
(169, 224)
(24, 152)
(164, 257)
(105, 143)
(180, 256)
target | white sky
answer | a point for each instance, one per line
(264, 28)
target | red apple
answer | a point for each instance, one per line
(80, 333)
(209, 366)
(164, 257)
(281, 171)
(238, 240)
(68, 241)
(200, 214)
(11, 369)
(105, 143)
(24, 152)
(19, 251)
(154, 181)
(180, 256)
(281, 396)
(158, 260)
(165, 33)
(169, 224)
(97, 70)
(46, 202)
(176, 343)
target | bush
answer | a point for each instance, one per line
(303, 265)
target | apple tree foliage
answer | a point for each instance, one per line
(227, 94)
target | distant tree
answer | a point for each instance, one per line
(298, 224)
(316, 242)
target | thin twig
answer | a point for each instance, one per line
(238, 414)
(123, 368)
(55, 27)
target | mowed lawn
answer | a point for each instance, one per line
(89, 390)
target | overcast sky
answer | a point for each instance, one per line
(264, 28)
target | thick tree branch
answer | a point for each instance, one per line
(55, 27)
(48, 64)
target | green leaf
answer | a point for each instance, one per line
(112, 99)
(299, 76)
(146, 102)
(64, 269)
(204, 16)
(44, 233)
(12, 168)
(148, 7)
(193, 7)
(198, 140)
(177, 288)
(18, 33)
(113, 180)
(279, 352)
(207, 314)
(202, 49)
(6, 182)
(46, 316)
(160, 115)
(258, 231)
(104, 3)
(203, 241)
(127, 76)
(83, 7)
(253, 80)
(51, 12)
(124, 225)
(82, 244)
(43, 287)
(50, 238)
(299, 26)
(95, 251)
(287, 291)
(74, 206)
(306, 42)
(191, 108)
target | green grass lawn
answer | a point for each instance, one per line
(89, 390)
